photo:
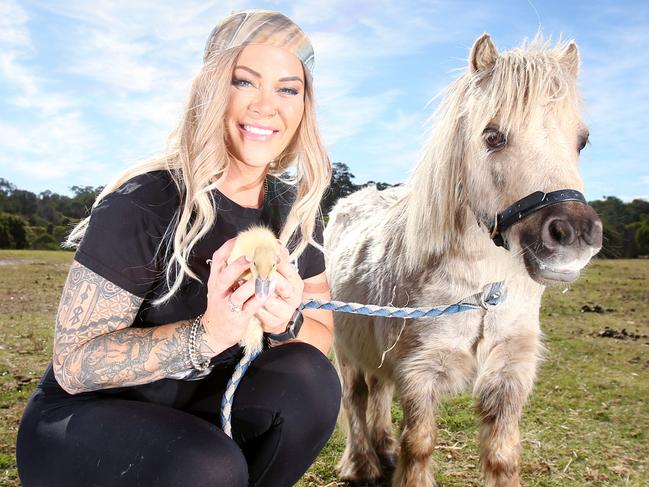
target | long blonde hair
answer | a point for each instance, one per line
(197, 159)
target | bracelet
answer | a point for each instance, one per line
(193, 352)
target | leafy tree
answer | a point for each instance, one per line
(637, 209)
(14, 230)
(45, 242)
(380, 186)
(622, 222)
(341, 186)
(25, 202)
(6, 240)
(6, 188)
(642, 236)
(84, 197)
(60, 233)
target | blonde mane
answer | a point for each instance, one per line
(535, 76)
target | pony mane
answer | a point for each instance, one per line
(530, 77)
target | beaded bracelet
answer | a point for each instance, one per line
(193, 352)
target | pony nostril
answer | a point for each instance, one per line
(592, 233)
(560, 232)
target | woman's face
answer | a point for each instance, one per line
(266, 104)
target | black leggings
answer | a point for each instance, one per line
(167, 433)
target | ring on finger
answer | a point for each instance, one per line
(233, 307)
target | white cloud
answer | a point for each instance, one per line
(17, 74)
(116, 63)
(51, 149)
(12, 25)
(55, 140)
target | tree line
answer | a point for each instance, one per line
(43, 220)
(40, 221)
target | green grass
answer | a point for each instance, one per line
(587, 422)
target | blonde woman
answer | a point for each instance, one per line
(148, 323)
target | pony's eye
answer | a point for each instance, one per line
(583, 140)
(494, 139)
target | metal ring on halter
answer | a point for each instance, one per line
(233, 307)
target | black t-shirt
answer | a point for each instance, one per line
(122, 239)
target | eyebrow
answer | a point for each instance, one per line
(256, 74)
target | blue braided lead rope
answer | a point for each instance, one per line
(489, 297)
(228, 395)
(492, 295)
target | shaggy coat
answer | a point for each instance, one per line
(507, 127)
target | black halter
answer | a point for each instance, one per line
(525, 207)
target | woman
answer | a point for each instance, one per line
(148, 323)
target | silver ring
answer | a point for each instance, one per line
(233, 308)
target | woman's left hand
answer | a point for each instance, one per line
(287, 296)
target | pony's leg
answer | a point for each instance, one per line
(359, 464)
(421, 389)
(418, 437)
(379, 420)
(504, 382)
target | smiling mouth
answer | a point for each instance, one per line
(257, 133)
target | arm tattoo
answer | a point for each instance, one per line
(94, 345)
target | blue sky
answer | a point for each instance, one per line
(87, 88)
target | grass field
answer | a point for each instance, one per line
(587, 423)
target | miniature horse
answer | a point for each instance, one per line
(508, 127)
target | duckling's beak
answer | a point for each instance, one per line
(263, 287)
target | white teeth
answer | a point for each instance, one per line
(257, 130)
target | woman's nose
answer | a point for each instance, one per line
(263, 105)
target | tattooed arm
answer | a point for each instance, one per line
(95, 347)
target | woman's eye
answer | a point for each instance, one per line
(289, 91)
(494, 139)
(243, 83)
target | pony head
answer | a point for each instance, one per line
(508, 127)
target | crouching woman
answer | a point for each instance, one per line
(149, 321)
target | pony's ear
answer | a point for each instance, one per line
(483, 54)
(570, 58)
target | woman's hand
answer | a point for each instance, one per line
(278, 309)
(228, 312)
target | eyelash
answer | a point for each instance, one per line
(241, 82)
(290, 91)
(244, 83)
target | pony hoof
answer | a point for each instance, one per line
(359, 472)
